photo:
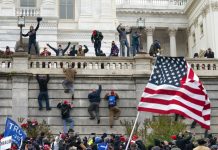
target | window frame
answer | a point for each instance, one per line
(66, 13)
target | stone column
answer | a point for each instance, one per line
(172, 34)
(149, 32)
(190, 53)
(20, 79)
(7, 8)
(48, 8)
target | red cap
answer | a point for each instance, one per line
(94, 32)
(173, 137)
(66, 102)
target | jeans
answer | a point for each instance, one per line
(34, 44)
(94, 107)
(123, 44)
(135, 49)
(43, 95)
(114, 113)
(68, 120)
(97, 46)
(68, 86)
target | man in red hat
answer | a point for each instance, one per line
(96, 39)
(114, 111)
(65, 108)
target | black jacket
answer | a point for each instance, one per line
(65, 110)
(98, 37)
(42, 83)
(58, 51)
(32, 34)
(95, 96)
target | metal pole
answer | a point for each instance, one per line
(130, 137)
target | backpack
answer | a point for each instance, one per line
(112, 100)
(102, 146)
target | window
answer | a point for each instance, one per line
(27, 3)
(66, 9)
(194, 38)
(202, 28)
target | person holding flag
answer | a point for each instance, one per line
(174, 88)
(14, 130)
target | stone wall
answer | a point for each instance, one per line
(127, 76)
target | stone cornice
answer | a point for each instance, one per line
(149, 11)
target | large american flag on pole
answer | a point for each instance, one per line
(173, 87)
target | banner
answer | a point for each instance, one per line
(14, 130)
(6, 143)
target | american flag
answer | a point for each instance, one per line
(173, 87)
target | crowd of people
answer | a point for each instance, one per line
(96, 39)
(73, 141)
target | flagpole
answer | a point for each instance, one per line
(130, 137)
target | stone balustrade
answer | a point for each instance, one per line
(145, 3)
(28, 11)
(116, 64)
(203, 64)
(90, 63)
(5, 63)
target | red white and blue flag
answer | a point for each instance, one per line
(173, 87)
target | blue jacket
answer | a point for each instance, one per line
(95, 96)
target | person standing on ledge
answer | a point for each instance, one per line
(94, 99)
(59, 51)
(96, 39)
(123, 39)
(43, 91)
(32, 36)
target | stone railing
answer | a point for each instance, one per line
(6, 63)
(150, 3)
(119, 65)
(203, 64)
(90, 63)
(28, 11)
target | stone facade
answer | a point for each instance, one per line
(183, 27)
(127, 76)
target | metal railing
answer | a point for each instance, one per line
(28, 11)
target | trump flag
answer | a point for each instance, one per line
(14, 130)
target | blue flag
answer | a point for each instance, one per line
(14, 130)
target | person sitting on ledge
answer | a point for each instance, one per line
(114, 49)
(45, 52)
(209, 53)
(8, 52)
(59, 51)
(79, 52)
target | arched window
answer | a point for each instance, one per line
(66, 9)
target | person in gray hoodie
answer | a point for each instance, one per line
(123, 39)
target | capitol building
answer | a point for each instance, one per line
(183, 27)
